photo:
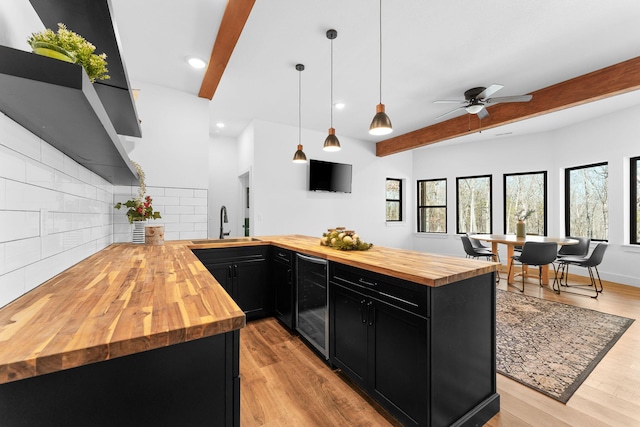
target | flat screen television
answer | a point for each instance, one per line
(328, 176)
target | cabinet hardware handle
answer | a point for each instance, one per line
(364, 282)
(369, 316)
(362, 316)
(235, 270)
(229, 272)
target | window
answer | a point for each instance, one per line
(394, 199)
(524, 192)
(432, 206)
(635, 201)
(585, 199)
(474, 204)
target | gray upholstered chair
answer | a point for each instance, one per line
(590, 262)
(538, 254)
(473, 252)
(581, 250)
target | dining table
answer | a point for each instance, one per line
(511, 241)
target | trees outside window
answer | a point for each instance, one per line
(473, 212)
(394, 199)
(634, 203)
(524, 192)
(432, 206)
(586, 204)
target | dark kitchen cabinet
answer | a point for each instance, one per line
(426, 354)
(283, 285)
(245, 273)
(382, 347)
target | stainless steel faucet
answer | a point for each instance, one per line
(223, 219)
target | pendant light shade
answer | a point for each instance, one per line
(299, 156)
(381, 123)
(331, 143)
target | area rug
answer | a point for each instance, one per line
(549, 346)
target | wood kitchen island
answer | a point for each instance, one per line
(144, 335)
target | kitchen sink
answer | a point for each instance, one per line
(230, 240)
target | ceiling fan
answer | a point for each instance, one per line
(476, 99)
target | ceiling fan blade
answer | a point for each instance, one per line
(483, 114)
(449, 101)
(449, 112)
(489, 91)
(518, 98)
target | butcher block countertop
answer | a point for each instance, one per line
(130, 298)
(419, 267)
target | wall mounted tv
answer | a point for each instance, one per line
(328, 176)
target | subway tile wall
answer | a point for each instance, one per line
(183, 211)
(53, 212)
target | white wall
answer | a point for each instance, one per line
(613, 139)
(283, 205)
(223, 186)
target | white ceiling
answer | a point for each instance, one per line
(431, 50)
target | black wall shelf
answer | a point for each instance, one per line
(93, 20)
(56, 101)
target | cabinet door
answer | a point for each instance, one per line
(251, 287)
(398, 344)
(223, 274)
(283, 288)
(348, 345)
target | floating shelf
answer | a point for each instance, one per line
(93, 20)
(56, 101)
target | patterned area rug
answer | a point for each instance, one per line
(549, 346)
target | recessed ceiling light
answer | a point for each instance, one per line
(220, 125)
(339, 105)
(196, 62)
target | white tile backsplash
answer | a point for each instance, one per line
(78, 218)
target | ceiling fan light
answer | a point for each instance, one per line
(299, 156)
(331, 143)
(474, 108)
(381, 123)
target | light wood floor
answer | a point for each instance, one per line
(283, 383)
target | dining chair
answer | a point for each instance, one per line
(538, 254)
(477, 244)
(581, 249)
(476, 253)
(590, 262)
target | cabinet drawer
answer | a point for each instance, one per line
(282, 255)
(406, 295)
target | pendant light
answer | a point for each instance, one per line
(331, 143)
(381, 124)
(299, 156)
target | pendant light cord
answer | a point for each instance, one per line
(331, 100)
(299, 107)
(380, 38)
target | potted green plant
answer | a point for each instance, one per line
(71, 47)
(140, 209)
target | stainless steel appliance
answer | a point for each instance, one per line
(312, 308)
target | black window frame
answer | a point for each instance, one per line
(419, 206)
(567, 194)
(393, 200)
(490, 198)
(633, 200)
(504, 198)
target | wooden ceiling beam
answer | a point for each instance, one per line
(235, 16)
(610, 81)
